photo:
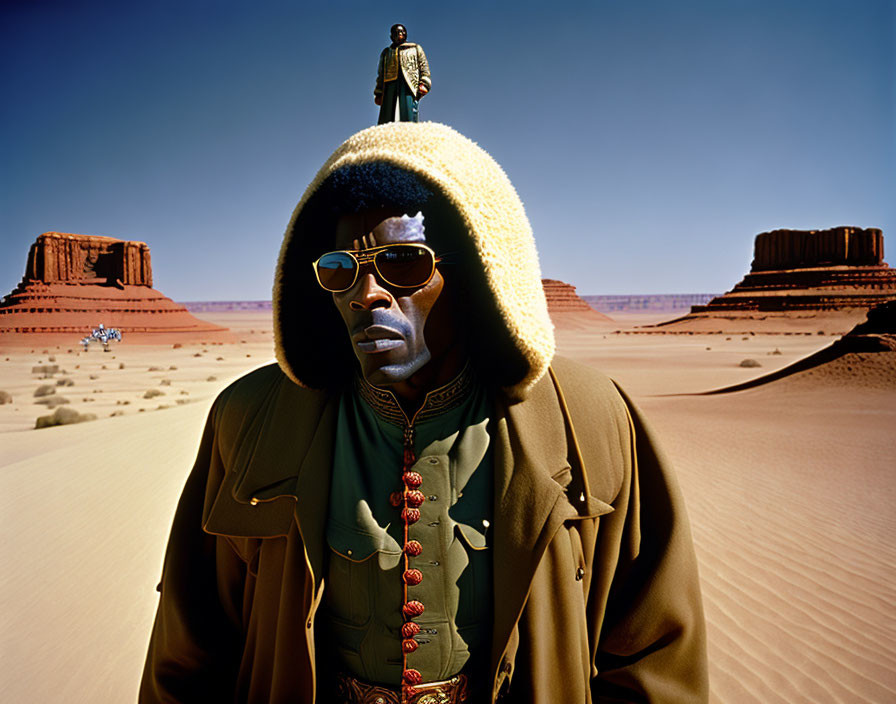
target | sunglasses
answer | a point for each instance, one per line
(399, 265)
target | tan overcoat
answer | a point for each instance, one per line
(596, 595)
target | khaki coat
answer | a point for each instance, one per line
(596, 594)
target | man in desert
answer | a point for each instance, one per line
(419, 502)
(402, 78)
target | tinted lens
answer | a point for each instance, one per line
(336, 271)
(405, 265)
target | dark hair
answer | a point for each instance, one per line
(382, 186)
(396, 26)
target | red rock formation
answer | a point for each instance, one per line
(815, 270)
(800, 249)
(73, 283)
(566, 307)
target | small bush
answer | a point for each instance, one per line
(165, 382)
(65, 382)
(121, 365)
(212, 378)
(176, 346)
(154, 369)
(94, 377)
(45, 370)
(152, 393)
(172, 368)
(5, 397)
(63, 416)
(44, 390)
(750, 363)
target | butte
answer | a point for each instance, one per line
(567, 309)
(73, 283)
(800, 282)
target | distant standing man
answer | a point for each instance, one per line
(402, 78)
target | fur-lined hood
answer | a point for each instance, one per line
(515, 317)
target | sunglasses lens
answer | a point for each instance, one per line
(405, 265)
(336, 271)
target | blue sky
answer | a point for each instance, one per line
(650, 141)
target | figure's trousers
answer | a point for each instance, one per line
(396, 94)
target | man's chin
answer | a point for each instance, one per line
(387, 374)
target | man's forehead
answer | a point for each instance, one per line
(387, 226)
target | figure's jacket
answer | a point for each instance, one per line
(596, 594)
(413, 68)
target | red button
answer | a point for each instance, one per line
(396, 498)
(413, 577)
(410, 515)
(412, 479)
(409, 645)
(415, 498)
(413, 548)
(413, 609)
(412, 677)
(409, 629)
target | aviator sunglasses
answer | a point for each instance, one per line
(400, 265)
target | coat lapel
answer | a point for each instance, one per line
(279, 472)
(536, 490)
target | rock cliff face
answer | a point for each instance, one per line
(73, 283)
(567, 309)
(802, 249)
(812, 270)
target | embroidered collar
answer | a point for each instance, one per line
(437, 401)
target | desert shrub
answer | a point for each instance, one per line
(63, 416)
(165, 382)
(65, 382)
(5, 397)
(176, 346)
(51, 359)
(154, 369)
(94, 377)
(212, 378)
(198, 354)
(44, 390)
(172, 368)
(121, 365)
(45, 370)
(116, 413)
(750, 363)
(219, 359)
(152, 393)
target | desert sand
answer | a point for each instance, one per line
(789, 486)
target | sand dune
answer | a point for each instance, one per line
(790, 490)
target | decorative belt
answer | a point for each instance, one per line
(352, 691)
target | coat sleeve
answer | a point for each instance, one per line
(378, 90)
(425, 78)
(195, 646)
(652, 641)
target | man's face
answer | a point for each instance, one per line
(387, 324)
(399, 35)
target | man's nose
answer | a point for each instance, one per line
(369, 294)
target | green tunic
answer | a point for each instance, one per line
(365, 591)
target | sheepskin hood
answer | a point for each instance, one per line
(312, 345)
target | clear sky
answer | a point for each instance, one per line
(649, 140)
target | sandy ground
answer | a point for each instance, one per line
(789, 487)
